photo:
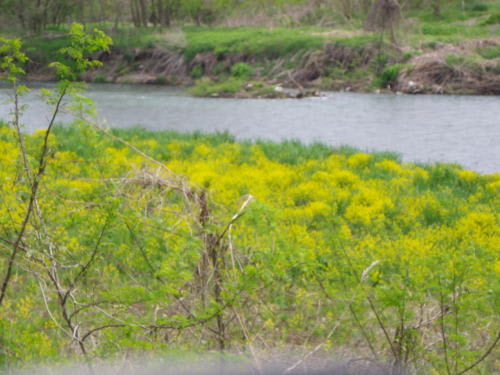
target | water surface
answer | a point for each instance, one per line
(461, 129)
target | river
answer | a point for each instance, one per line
(460, 129)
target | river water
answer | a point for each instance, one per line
(461, 129)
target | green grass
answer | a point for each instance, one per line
(241, 70)
(494, 19)
(44, 49)
(389, 76)
(444, 32)
(262, 42)
(252, 41)
(456, 23)
(271, 43)
(489, 52)
(207, 87)
(231, 86)
(288, 151)
(470, 63)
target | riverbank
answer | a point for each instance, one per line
(303, 58)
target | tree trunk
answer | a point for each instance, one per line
(144, 12)
(436, 8)
(135, 13)
(384, 15)
(346, 8)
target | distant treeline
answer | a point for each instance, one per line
(37, 15)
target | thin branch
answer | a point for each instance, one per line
(355, 316)
(94, 330)
(480, 359)
(17, 125)
(235, 217)
(87, 265)
(34, 190)
(443, 330)
(44, 297)
(87, 306)
(382, 326)
(143, 252)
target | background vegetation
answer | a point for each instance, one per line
(278, 38)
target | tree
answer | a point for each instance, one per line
(384, 15)
(164, 11)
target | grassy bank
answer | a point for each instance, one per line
(216, 244)
(456, 52)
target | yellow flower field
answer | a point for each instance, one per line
(211, 243)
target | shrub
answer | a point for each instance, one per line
(494, 19)
(453, 59)
(161, 80)
(432, 44)
(208, 87)
(379, 62)
(408, 55)
(197, 72)
(241, 70)
(389, 76)
(478, 7)
(100, 78)
(489, 52)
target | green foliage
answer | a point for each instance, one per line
(490, 52)
(269, 43)
(379, 62)
(100, 78)
(365, 228)
(207, 87)
(12, 59)
(468, 62)
(241, 70)
(233, 86)
(494, 19)
(196, 72)
(161, 80)
(441, 29)
(407, 56)
(76, 55)
(477, 7)
(389, 76)
(453, 59)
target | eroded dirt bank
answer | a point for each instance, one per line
(453, 69)
(443, 69)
